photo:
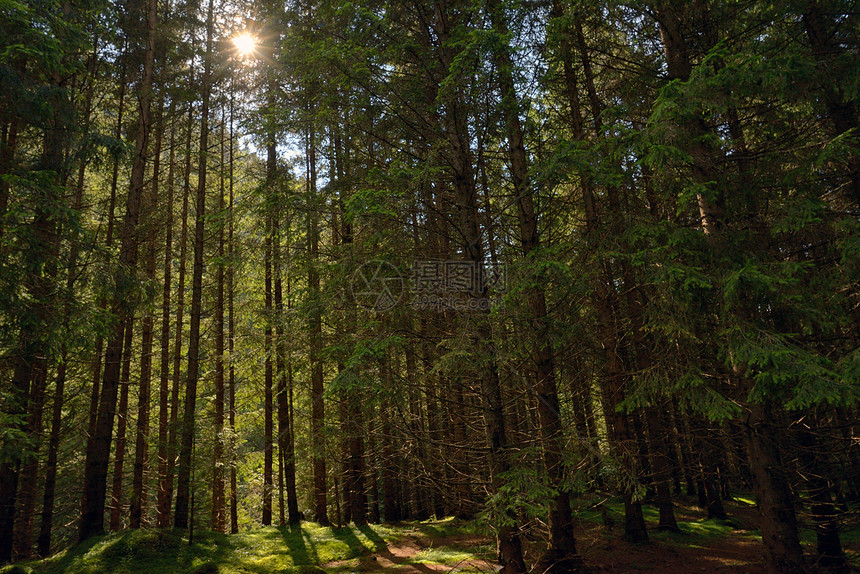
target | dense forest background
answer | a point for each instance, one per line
(375, 261)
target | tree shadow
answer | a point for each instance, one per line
(346, 535)
(383, 551)
(144, 549)
(294, 537)
(376, 539)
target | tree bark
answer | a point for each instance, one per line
(218, 499)
(43, 544)
(173, 426)
(454, 120)
(163, 497)
(315, 320)
(812, 449)
(98, 445)
(183, 484)
(137, 508)
(561, 555)
(97, 361)
(234, 503)
(122, 426)
(46, 528)
(271, 166)
(26, 503)
(285, 376)
(773, 493)
(613, 382)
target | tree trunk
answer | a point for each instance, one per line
(98, 445)
(773, 493)
(163, 498)
(271, 166)
(285, 380)
(234, 503)
(183, 485)
(561, 555)
(46, 528)
(218, 500)
(317, 404)
(391, 503)
(7, 160)
(26, 503)
(137, 508)
(173, 426)
(43, 545)
(97, 360)
(812, 452)
(454, 120)
(122, 426)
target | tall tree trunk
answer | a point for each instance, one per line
(779, 523)
(454, 120)
(122, 425)
(284, 373)
(818, 478)
(26, 503)
(46, 527)
(97, 360)
(43, 544)
(271, 167)
(391, 511)
(234, 503)
(614, 381)
(7, 160)
(773, 493)
(218, 499)
(98, 445)
(660, 447)
(173, 425)
(561, 555)
(137, 508)
(183, 484)
(163, 497)
(314, 358)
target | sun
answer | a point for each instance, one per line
(245, 44)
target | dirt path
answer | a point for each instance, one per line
(735, 552)
(726, 550)
(602, 550)
(738, 550)
(412, 554)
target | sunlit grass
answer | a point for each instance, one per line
(300, 549)
(271, 549)
(744, 499)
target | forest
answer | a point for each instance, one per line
(544, 275)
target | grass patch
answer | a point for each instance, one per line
(261, 551)
(449, 527)
(744, 499)
(696, 531)
(442, 555)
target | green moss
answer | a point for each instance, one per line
(444, 555)
(284, 549)
(744, 499)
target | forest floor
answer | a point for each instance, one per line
(705, 545)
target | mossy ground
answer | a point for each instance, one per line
(431, 546)
(264, 550)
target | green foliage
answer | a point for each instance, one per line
(523, 492)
